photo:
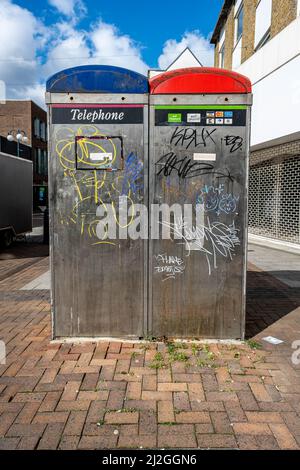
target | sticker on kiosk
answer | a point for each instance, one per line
(194, 117)
(174, 117)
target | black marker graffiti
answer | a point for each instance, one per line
(187, 168)
(234, 141)
(189, 136)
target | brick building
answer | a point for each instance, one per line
(30, 118)
(260, 39)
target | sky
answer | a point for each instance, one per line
(41, 37)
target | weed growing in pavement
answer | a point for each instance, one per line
(158, 361)
(174, 353)
(150, 339)
(195, 349)
(253, 344)
(178, 356)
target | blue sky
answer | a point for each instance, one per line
(149, 23)
(40, 37)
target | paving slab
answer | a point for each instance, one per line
(93, 395)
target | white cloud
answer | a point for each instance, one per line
(198, 44)
(103, 44)
(20, 41)
(34, 92)
(69, 7)
(112, 48)
(68, 50)
(30, 52)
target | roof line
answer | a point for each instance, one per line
(221, 20)
(181, 53)
(23, 100)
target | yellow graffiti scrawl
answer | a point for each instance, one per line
(87, 190)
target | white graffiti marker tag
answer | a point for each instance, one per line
(214, 239)
(169, 266)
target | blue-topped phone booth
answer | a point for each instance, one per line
(98, 124)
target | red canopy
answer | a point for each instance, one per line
(200, 80)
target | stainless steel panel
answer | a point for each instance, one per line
(197, 287)
(97, 285)
(224, 100)
(124, 98)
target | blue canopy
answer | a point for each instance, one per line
(97, 79)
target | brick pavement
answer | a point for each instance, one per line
(97, 395)
(268, 300)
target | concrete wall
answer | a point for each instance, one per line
(275, 74)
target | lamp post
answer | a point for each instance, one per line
(20, 136)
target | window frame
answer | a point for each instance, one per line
(222, 56)
(236, 24)
(36, 127)
(266, 36)
(43, 131)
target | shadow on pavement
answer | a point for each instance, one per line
(24, 249)
(269, 298)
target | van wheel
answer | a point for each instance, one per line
(7, 238)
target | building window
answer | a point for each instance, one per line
(36, 126)
(45, 157)
(239, 18)
(263, 19)
(222, 56)
(264, 39)
(222, 48)
(41, 162)
(238, 33)
(40, 129)
(43, 131)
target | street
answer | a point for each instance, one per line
(101, 394)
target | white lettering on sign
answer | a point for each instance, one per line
(100, 156)
(211, 157)
(92, 116)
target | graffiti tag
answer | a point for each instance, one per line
(216, 200)
(186, 168)
(169, 266)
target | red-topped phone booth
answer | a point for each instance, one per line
(198, 183)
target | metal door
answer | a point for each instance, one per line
(98, 281)
(198, 161)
